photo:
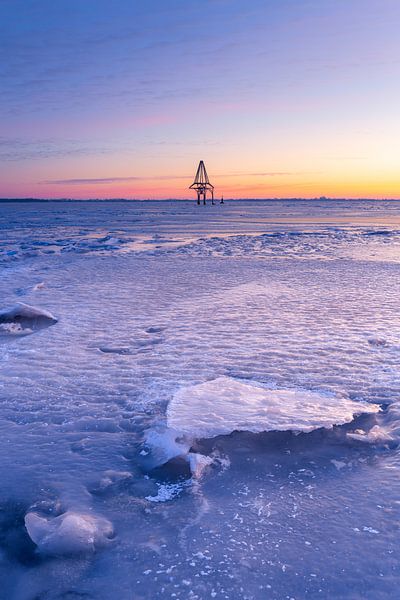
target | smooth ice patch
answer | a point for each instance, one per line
(223, 405)
(69, 533)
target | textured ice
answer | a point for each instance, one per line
(224, 405)
(273, 230)
(69, 533)
(293, 295)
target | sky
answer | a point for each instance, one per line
(121, 99)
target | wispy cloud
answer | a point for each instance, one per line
(17, 149)
(110, 180)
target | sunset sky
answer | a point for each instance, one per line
(280, 98)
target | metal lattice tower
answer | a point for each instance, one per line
(202, 184)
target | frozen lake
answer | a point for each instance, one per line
(155, 297)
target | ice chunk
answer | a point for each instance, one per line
(377, 342)
(109, 350)
(339, 464)
(23, 319)
(198, 463)
(223, 405)
(69, 533)
(385, 432)
(167, 447)
(111, 480)
(14, 329)
(165, 444)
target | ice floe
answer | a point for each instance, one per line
(224, 405)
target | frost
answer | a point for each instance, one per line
(167, 491)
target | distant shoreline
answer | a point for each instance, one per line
(191, 200)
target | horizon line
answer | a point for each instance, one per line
(226, 199)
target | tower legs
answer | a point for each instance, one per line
(202, 195)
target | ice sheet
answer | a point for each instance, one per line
(153, 299)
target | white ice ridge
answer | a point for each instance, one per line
(223, 405)
(69, 533)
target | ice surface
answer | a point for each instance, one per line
(274, 295)
(292, 229)
(223, 405)
(69, 533)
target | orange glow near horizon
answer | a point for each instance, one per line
(234, 186)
